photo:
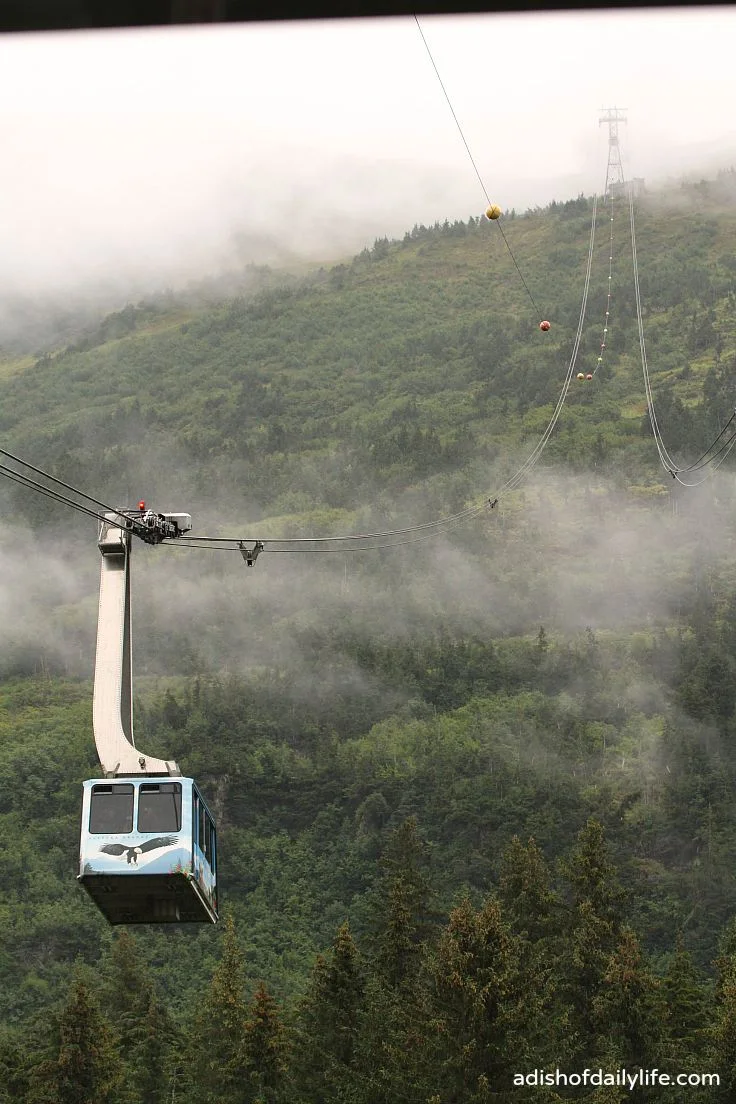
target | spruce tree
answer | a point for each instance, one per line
(529, 904)
(86, 1067)
(596, 922)
(483, 1012)
(17, 1058)
(155, 1051)
(219, 1070)
(538, 919)
(328, 1020)
(685, 998)
(401, 905)
(127, 995)
(391, 1039)
(628, 1009)
(264, 1049)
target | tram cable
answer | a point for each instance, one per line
(353, 542)
(442, 525)
(48, 492)
(53, 478)
(516, 479)
(51, 492)
(393, 538)
(669, 464)
(599, 362)
(475, 167)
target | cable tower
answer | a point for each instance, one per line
(614, 169)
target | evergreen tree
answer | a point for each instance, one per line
(16, 1060)
(264, 1049)
(593, 877)
(685, 997)
(328, 1020)
(532, 908)
(535, 914)
(597, 906)
(156, 1045)
(85, 1067)
(393, 1050)
(219, 1068)
(401, 905)
(483, 1015)
(127, 995)
(628, 1009)
(390, 1038)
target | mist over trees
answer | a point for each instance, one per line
(473, 793)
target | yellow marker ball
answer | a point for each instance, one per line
(493, 212)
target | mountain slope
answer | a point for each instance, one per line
(414, 358)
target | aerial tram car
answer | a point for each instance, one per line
(148, 848)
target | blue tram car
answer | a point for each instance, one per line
(148, 850)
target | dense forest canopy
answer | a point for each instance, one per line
(447, 774)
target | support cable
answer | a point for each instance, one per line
(56, 496)
(599, 362)
(667, 461)
(49, 492)
(531, 460)
(475, 167)
(53, 478)
(442, 525)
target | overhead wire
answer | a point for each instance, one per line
(51, 492)
(234, 544)
(55, 479)
(475, 167)
(607, 317)
(531, 460)
(669, 464)
(32, 484)
(696, 463)
(416, 533)
(441, 525)
(360, 541)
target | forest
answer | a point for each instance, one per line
(474, 793)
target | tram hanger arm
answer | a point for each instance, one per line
(112, 709)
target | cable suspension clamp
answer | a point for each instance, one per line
(250, 555)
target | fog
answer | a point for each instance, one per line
(139, 159)
(569, 553)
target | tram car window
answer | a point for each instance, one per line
(159, 807)
(111, 809)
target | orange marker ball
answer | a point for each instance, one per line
(544, 325)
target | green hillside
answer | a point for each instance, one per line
(412, 359)
(474, 793)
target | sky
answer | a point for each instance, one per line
(162, 155)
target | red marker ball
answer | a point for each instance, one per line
(544, 325)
